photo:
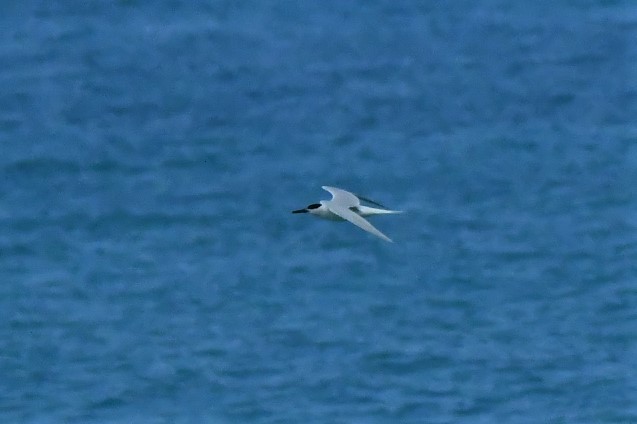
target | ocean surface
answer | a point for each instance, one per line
(151, 153)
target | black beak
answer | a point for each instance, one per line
(300, 211)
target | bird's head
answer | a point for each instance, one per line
(310, 209)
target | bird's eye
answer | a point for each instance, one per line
(314, 206)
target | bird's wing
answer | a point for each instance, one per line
(364, 199)
(351, 216)
(342, 197)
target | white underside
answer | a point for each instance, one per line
(325, 213)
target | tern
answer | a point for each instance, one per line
(346, 206)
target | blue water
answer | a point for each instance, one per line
(151, 153)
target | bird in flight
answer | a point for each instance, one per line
(346, 206)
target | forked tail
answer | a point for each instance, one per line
(368, 211)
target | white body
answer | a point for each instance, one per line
(325, 212)
(347, 206)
